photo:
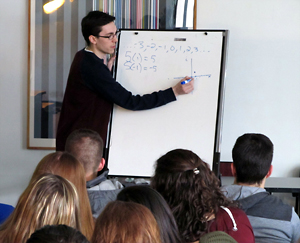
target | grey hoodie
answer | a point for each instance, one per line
(101, 191)
(272, 220)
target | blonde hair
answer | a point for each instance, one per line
(48, 200)
(122, 222)
(67, 166)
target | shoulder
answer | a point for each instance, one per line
(236, 213)
(231, 191)
(99, 199)
(234, 222)
(267, 206)
(106, 185)
(93, 69)
(102, 196)
(232, 217)
(110, 185)
(90, 58)
(79, 55)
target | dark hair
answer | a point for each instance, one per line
(124, 222)
(158, 206)
(252, 157)
(57, 233)
(92, 23)
(191, 189)
(87, 146)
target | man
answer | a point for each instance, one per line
(87, 146)
(271, 219)
(91, 90)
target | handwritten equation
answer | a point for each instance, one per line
(143, 57)
(174, 48)
(134, 61)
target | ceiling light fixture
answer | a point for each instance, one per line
(52, 6)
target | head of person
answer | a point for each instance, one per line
(67, 166)
(252, 156)
(57, 233)
(87, 146)
(122, 222)
(49, 199)
(190, 188)
(160, 209)
(92, 25)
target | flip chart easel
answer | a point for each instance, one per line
(151, 60)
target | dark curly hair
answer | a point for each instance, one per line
(191, 189)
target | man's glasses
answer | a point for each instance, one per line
(110, 37)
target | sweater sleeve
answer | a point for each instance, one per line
(98, 78)
(295, 222)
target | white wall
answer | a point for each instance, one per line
(263, 74)
(16, 162)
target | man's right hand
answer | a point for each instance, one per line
(180, 89)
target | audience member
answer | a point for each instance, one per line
(123, 222)
(192, 191)
(87, 146)
(271, 219)
(160, 209)
(67, 166)
(5, 211)
(50, 199)
(57, 234)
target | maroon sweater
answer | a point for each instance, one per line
(243, 232)
(90, 93)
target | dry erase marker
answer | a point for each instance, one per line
(186, 81)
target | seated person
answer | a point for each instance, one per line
(57, 233)
(124, 222)
(192, 191)
(87, 146)
(5, 211)
(68, 167)
(49, 199)
(271, 219)
(150, 198)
